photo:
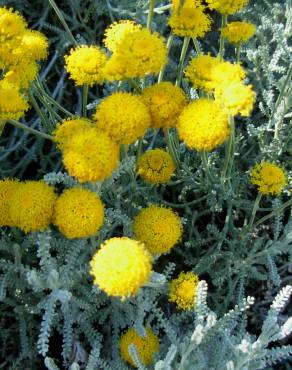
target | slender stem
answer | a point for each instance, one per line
(150, 13)
(254, 210)
(139, 149)
(30, 130)
(43, 118)
(230, 149)
(221, 46)
(62, 20)
(185, 204)
(182, 60)
(237, 48)
(274, 213)
(168, 47)
(197, 46)
(171, 147)
(134, 84)
(204, 157)
(84, 100)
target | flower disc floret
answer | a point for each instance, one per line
(165, 102)
(159, 228)
(11, 23)
(117, 31)
(269, 178)
(7, 188)
(235, 98)
(35, 44)
(238, 32)
(145, 346)
(138, 54)
(91, 156)
(120, 267)
(190, 21)
(227, 6)
(123, 116)
(85, 65)
(68, 128)
(182, 291)
(32, 205)
(21, 75)
(156, 166)
(203, 125)
(79, 213)
(12, 103)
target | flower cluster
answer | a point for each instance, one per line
(121, 266)
(159, 228)
(145, 346)
(238, 32)
(227, 6)
(269, 178)
(156, 166)
(182, 291)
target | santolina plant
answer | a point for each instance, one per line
(169, 172)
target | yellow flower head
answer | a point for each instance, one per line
(31, 206)
(207, 72)
(238, 32)
(123, 116)
(165, 102)
(138, 54)
(269, 178)
(35, 44)
(227, 6)
(120, 267)
(11, 23)
(85, 65)
(79, 213)
(235, 98)
(91, 156)
(68, 128)
(146, 346)
(156, 166)
(21, 75)
(203, 125)
(7, 188)
(117, 31)
(158, 227)
(190, 21)
(182, 291)
(12, 103)
(176, 4)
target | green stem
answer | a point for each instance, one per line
(238, 47)
(84, 100)
(168, 47)
(30, 130)
(62, 20)
(43, 118)
(171, 147)
(139, 149)
(134, 84)
(230, 149)
(254, 211)
(150, 13)
(197, 46)
(221, 46)
(204, 157)
(182, 60)
(273, 213)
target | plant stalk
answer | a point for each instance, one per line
(182, 60)
(30, 130)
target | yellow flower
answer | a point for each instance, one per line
(85, 65)
(190, 21)
(11, 23)
(238, 32)
(35, 44)
(158, 227)
(79, 213)
(156, 166)
(146, 346)
(120, 267)
(235, 98)
(12, 103)
(7, 188)
(165, 102)
(207, 72)
(182, 291)
(68, 128)
(91, 156)
(31, 206)
(21, 75)
(117, 31)
(227, 6)
(123, 116)
(203, 125)
(138, 54)
(186, 4)
(269, 178)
